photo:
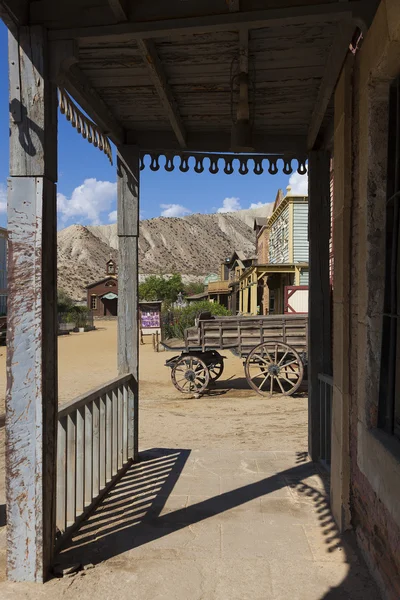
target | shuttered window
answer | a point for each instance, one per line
(389, 405)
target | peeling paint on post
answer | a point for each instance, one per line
(128, 315)
(31, 403)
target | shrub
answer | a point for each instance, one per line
(79, 316)
(177, 320)
(64, 302)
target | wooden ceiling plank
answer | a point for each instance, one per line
(77, 84)
(14, 13)
(159, 79)
(234, 5)
(119, 9)
(337, 56)
(231, 20)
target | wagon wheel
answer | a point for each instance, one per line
(216, 369)
(274, 366)
(190, 374)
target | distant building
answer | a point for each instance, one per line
(282, 259)
(224, 288)
(102, 296)
(3, 271)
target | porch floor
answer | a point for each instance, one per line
(226, 507)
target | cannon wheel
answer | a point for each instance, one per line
(216, 368)
(274, 367)
(190, 375)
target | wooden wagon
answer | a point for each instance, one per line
(274, 349)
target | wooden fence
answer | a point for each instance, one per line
(95, 446)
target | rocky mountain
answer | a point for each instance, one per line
(193, 245)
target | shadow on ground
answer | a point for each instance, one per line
(132, 515)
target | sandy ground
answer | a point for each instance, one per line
(88, 360)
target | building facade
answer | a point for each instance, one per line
(282, 257)
(102, 296)
(366, 344)
(3, 271)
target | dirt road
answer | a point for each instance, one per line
(88, 360)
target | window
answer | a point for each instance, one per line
(389, 400)
(93, 302)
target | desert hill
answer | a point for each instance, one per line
(193, 245)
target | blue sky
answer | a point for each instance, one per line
(86, 183)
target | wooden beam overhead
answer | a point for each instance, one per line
(337, 56)
(159, 79)
(234, 5)
(14, 12)
(77, 84)
(218, 141)
(223, 22)
(119, 9)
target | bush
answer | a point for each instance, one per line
(79, 315)
(64, 302)
(176, 321)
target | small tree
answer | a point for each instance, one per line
(161, 288)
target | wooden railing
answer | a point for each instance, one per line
(96, 443)
(325, 405)
(218, 286)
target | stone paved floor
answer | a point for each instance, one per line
(213, 525)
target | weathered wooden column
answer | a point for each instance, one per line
(245, 300)
(128, 307)
(253, 294)
(31, 403)
(319, 311)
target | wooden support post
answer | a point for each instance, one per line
(253, 298)
(319, 312)
(245, 300)
(266, 296)
(31, 403)
(128, 307)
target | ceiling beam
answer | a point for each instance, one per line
(218, 141)
(227, 21)
(77, 84)
(157, 74)
(233, 5)
(119, 9)
(14, 13)
(337, 56)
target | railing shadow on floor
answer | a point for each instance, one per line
(130, 516)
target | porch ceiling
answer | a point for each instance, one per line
(158, 73)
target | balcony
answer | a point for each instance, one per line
(218, 287)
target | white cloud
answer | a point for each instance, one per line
(88, 201)
(299, 184)
(112, 216)
(258, 204)
(3, 199)
(230, 205)
(174, 210)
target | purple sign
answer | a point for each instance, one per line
(150, 318)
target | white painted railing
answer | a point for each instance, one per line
(96, 442)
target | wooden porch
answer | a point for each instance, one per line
(176, 85)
